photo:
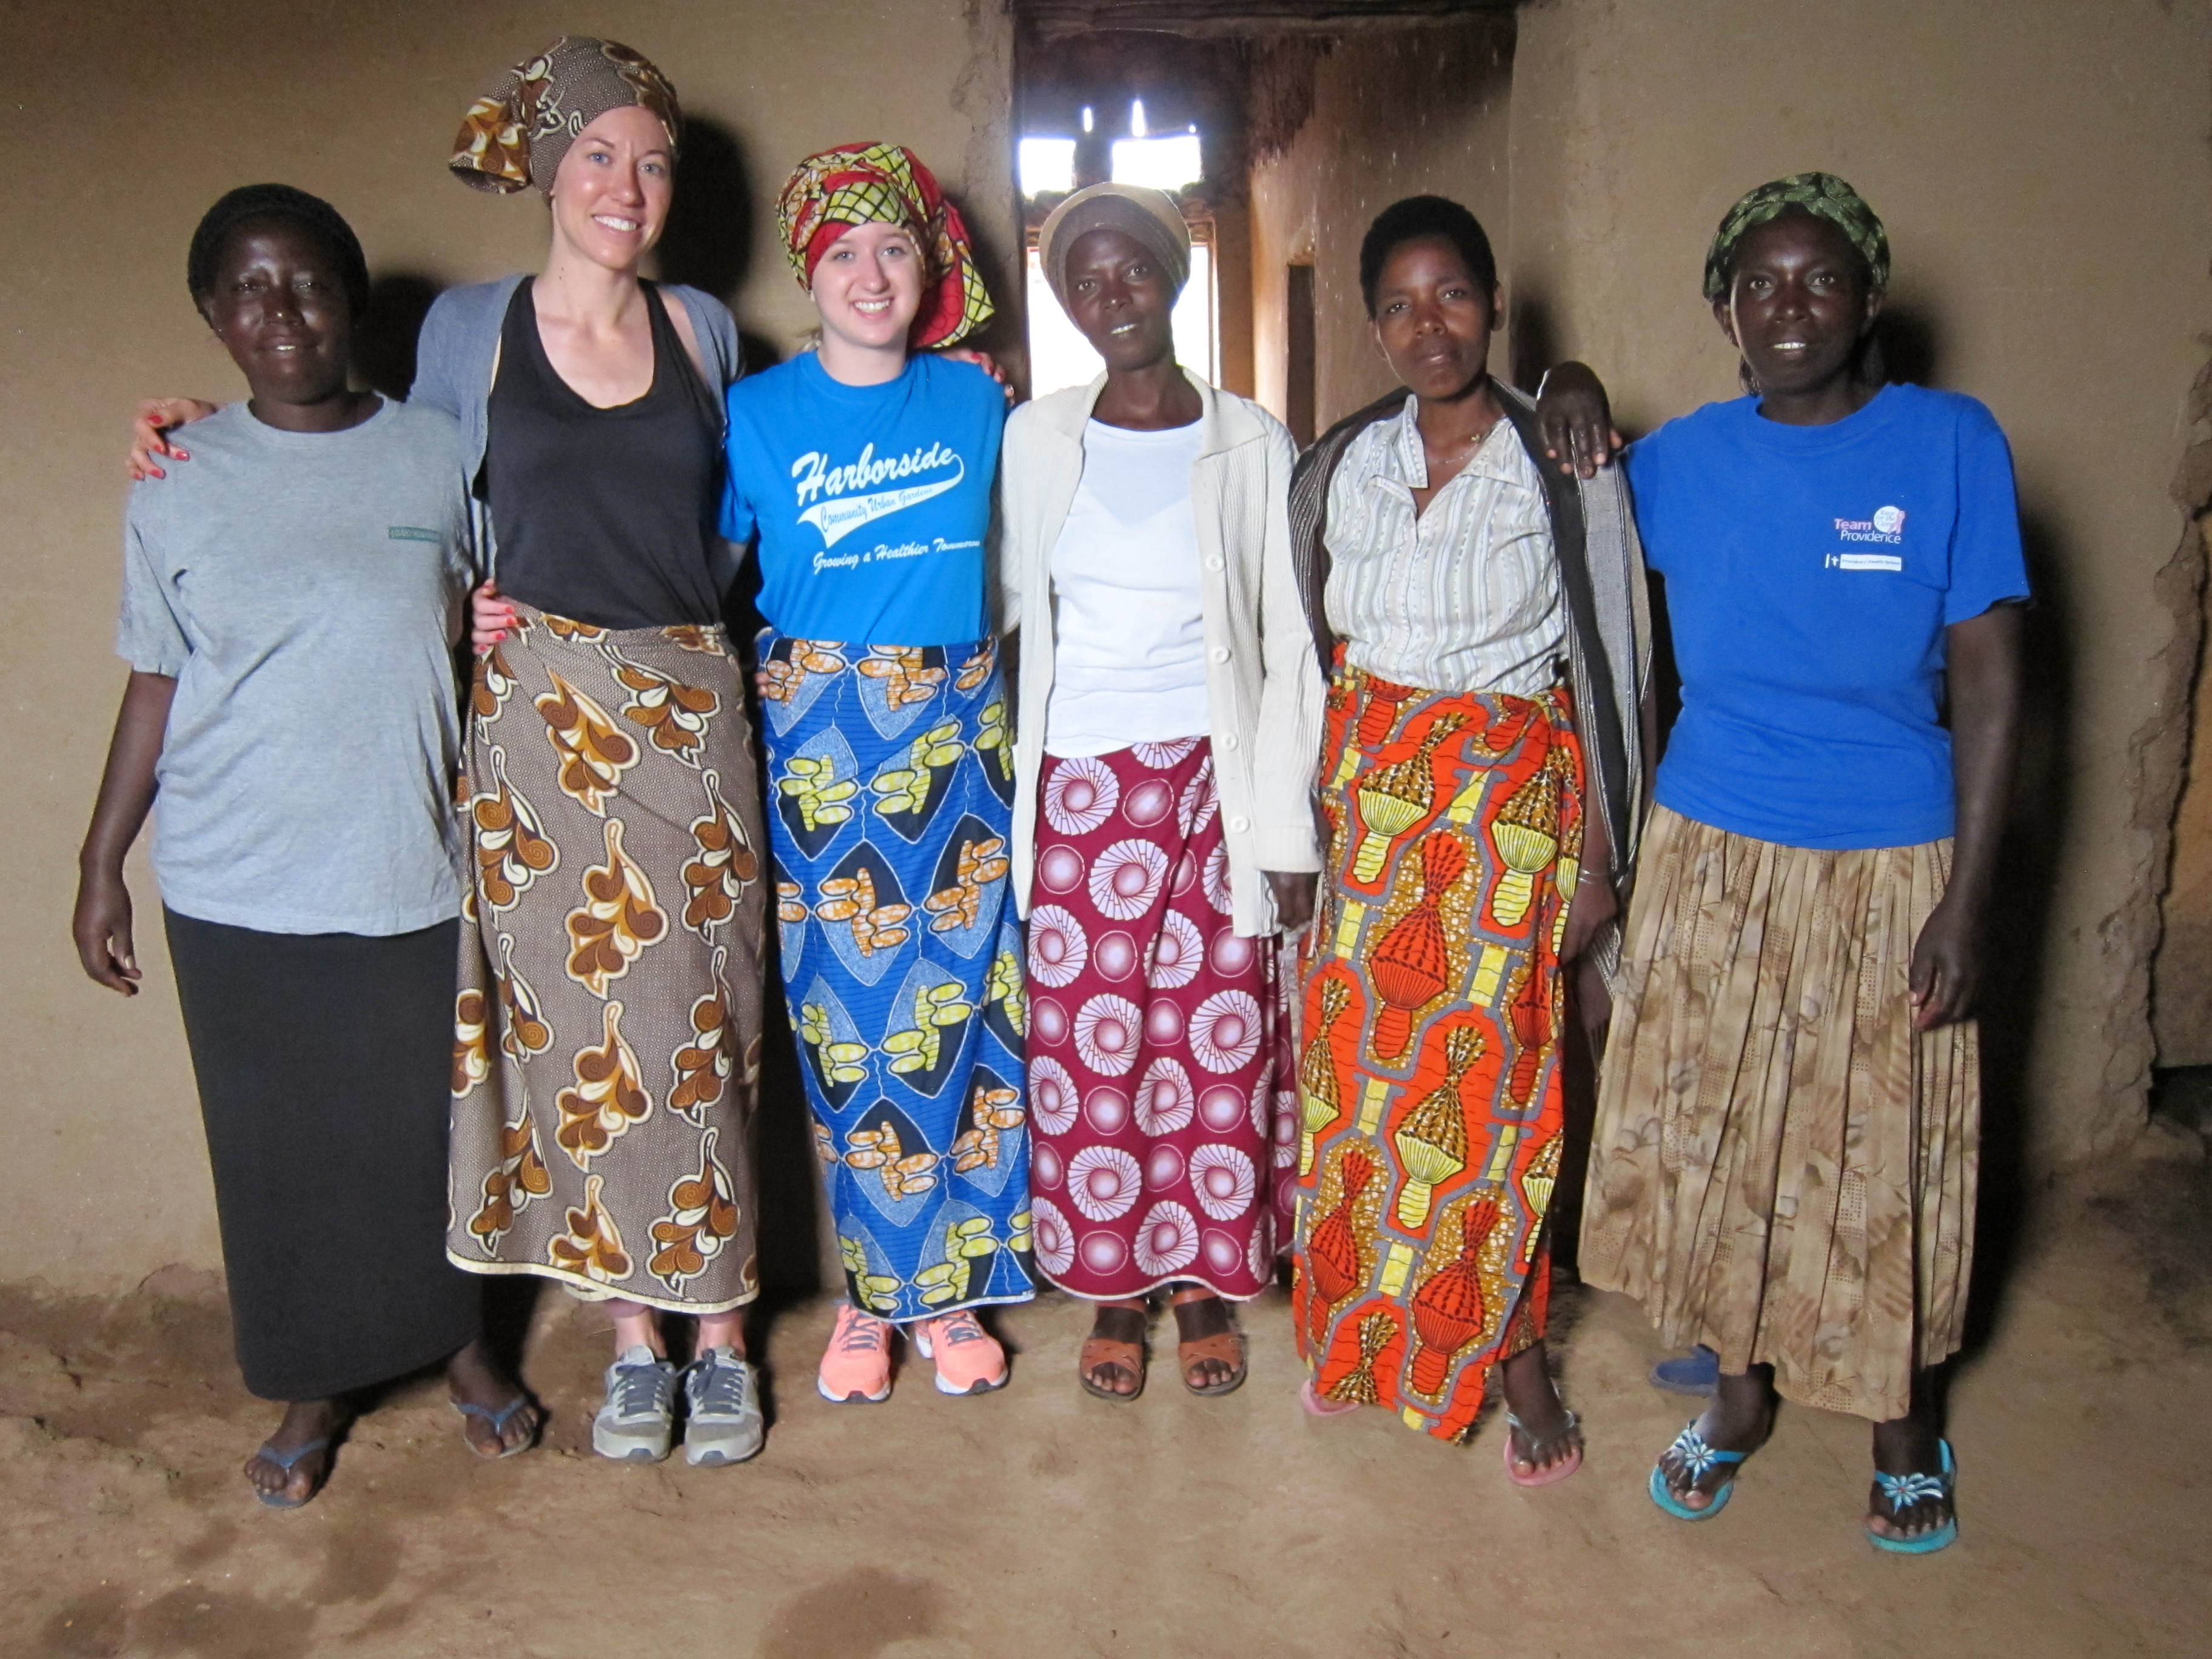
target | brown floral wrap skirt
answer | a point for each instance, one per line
(608, 1017)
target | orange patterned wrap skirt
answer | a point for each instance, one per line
(1428, 1070)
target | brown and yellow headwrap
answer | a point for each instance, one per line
(1820, 194)
(887, 184)
(516, 134)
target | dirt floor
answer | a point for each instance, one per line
(1037, 1524)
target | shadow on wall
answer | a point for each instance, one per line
(384, 344)
(709, 243)
(2017, 951)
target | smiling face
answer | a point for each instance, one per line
(867, 287)
(1798, 304)
(1120, 300)
(611, 193)
(279, 305)
(1432, 319)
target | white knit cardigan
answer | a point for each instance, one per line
(1263, 684)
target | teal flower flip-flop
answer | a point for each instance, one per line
(1697, 1459)
(1902, 1491)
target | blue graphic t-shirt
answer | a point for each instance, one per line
(872, 502)
(1810, 573)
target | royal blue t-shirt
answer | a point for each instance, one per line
(872, 502)
(1810, 573)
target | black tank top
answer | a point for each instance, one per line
(604, 515)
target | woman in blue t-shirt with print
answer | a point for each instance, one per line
(864, 473)
(1783, 1164)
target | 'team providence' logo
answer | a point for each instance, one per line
(1887, 527)
(839, 514)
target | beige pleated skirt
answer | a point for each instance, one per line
(1783, 1169)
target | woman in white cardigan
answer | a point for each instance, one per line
(1170, 712)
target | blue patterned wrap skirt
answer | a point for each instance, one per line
(891, 790)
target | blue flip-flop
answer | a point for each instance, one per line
(499, 1420)
(1697, 1458)
(287, 1462)
(1902, 1491)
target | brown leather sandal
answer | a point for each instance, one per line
(1224, 1345)
(1127, 1352)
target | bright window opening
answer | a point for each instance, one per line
(1047, 164)
(1060, 357)
(1166, 163)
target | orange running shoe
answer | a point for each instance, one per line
(856, 1365)
(969, 1359)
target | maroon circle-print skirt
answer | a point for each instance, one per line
(1162, 1103)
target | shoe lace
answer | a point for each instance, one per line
(642, 1390)
(717, 1386)
(957, 1329)
(861, 1333)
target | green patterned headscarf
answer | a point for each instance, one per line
(1821, 194)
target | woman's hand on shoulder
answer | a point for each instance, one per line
(1575, 418)
(491, 617)
(150, 432)
(984, 361)
(101, 928)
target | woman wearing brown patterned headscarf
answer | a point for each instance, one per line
(609, 1010)
(611, 970)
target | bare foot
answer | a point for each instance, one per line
(1531, 1396)
(1740, 1419)
(476, 1379)
(1108, 1364)
(305, 1422)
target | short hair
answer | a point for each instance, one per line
(260, 204)
(1413, 220)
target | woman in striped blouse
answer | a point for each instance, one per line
(1484, 615)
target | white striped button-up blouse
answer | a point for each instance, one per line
(1465, 596)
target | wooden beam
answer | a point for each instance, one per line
(1054, 18)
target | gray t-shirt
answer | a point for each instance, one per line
(306, 591)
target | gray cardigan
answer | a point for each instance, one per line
(1608, 614)
(457, 352)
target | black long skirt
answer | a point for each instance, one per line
(324, 1065)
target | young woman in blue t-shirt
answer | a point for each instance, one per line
(1784, 1158)
(863, 472)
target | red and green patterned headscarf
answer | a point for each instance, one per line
(887, 184)
(515, 135)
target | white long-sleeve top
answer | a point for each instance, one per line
(1464, 597)
(1264, 687)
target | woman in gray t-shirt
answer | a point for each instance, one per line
(291, 603)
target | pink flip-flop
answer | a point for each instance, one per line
(1548, 1474)
(1311, 1399)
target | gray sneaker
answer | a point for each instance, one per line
(635, 1424)
(722, 1421)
